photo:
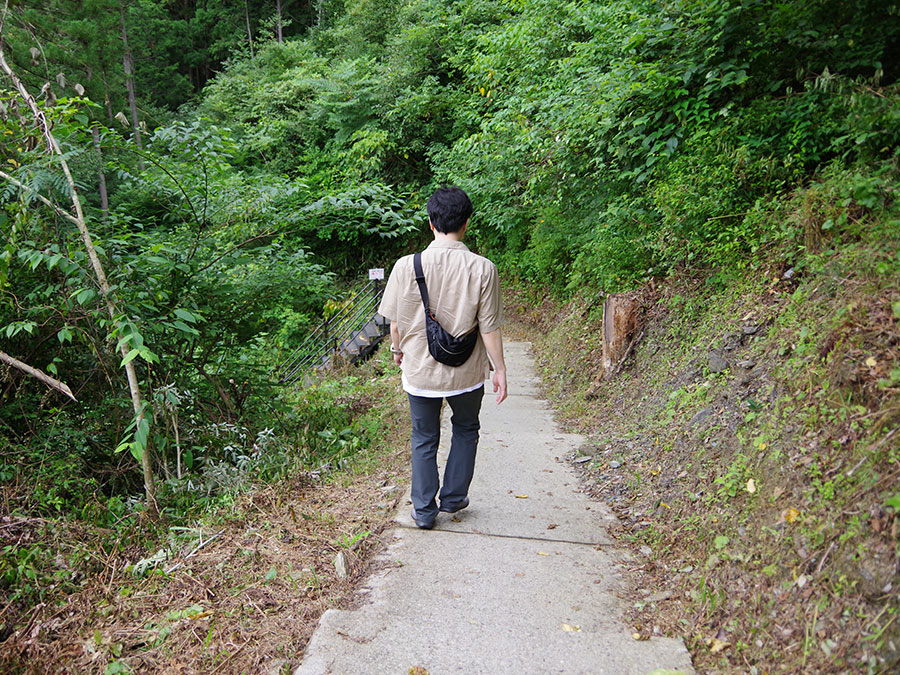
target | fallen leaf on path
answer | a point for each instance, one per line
(716, 645)
(751, 486)
(543, 553)
(521, 496)
(552, 526)
(871, 362)
(790, 515)
(640, 637)
(571, 629)
(417, 670)
(456, 519)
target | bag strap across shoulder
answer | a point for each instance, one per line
(420, 280)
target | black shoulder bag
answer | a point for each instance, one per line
(446, 349)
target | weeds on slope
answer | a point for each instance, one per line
(751, 445)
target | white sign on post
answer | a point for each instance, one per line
(376, 274)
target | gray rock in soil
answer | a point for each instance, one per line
(873, 571)
(746, 365)
(733, 341)
(589, 449)
(716, 363)
(659, 597)
(341, 566)
(702, 415)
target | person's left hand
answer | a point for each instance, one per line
(500, 385)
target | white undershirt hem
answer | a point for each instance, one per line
(428, 393)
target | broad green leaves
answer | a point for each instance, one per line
(136, 435)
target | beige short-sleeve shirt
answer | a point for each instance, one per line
(463, 290)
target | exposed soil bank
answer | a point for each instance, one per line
(750, 448)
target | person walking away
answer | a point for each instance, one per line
(464, 295)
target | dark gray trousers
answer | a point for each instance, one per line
(426, 435)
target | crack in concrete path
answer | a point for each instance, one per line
(505, 598)
(592, 544)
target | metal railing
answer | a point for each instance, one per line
(336, 334)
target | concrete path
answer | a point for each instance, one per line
(523, 581)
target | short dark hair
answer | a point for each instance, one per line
(448, 209)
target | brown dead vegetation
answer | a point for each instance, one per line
(247, 601)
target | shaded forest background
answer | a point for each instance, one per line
(242, 163)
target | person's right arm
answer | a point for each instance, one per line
(389, 310)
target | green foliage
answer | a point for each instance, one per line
(603, 144)
(582, 139)
(203, 262)
(176, 47)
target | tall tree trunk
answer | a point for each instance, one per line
(249, 31)
(111, 116)
(278, 28)
(101, 175)
(78, 218)
(107, 100)
(128, 64)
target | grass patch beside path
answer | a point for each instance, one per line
(168, 598)
(761, 499)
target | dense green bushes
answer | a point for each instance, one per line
(602, 143)
(215, 277)
(615, 141)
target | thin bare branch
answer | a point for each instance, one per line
(51, 382)
(196, 548)
(59, 210)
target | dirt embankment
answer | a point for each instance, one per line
(750, 447)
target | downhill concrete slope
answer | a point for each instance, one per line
(525, 580)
